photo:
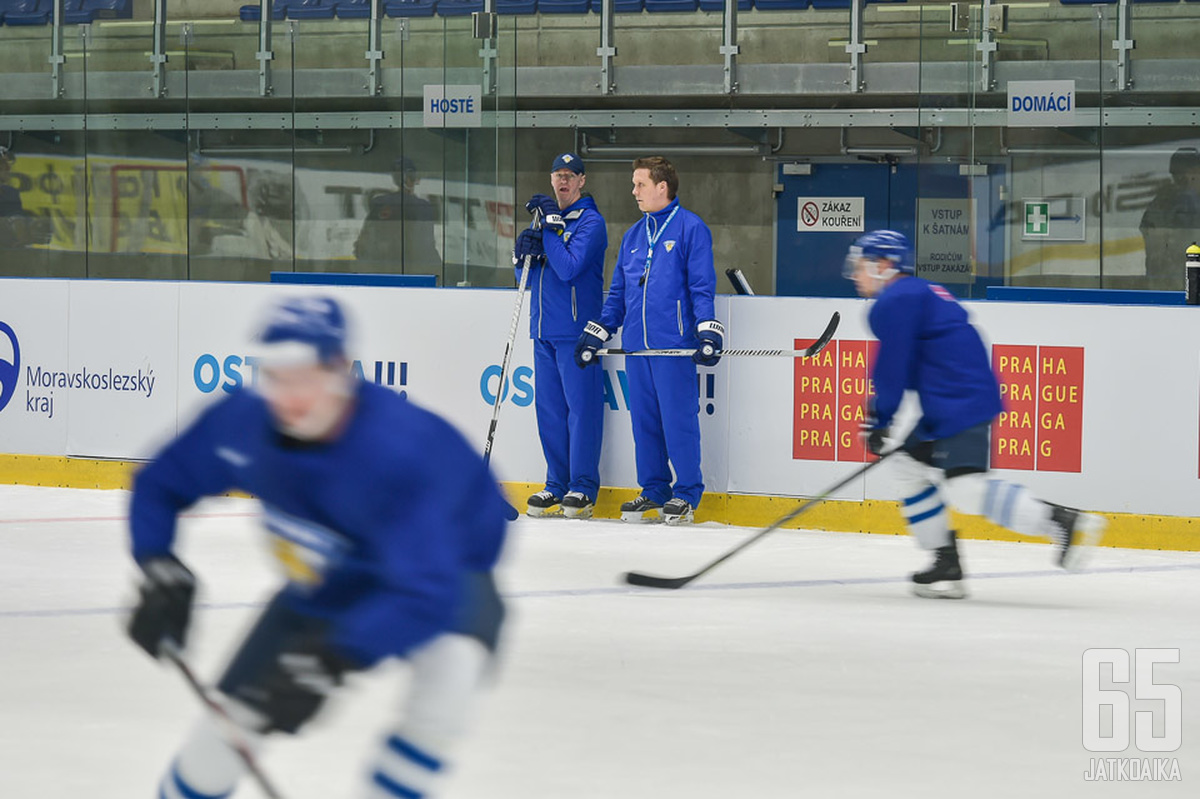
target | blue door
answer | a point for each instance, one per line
(821, 214)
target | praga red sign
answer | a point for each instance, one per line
(1041, 427)
(829, 397)
(1042, 424)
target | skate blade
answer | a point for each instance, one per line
(538, 513)
(578, 513)
(1089, 531)
(640, 516)
(946, 589)
(685, 518)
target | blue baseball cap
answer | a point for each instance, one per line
(568, 161)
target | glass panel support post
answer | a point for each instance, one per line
(857, 48)
(158, 58)
(607, 51)
(264, 55)
(485, 30)
(1124, 45)
(986, 46)
(729, 47)
(374, 54)
(58, 60)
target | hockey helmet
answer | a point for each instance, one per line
(304, 330)
(886, 245)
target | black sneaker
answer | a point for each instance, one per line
(640, 511)
(942, 580)
(577, 505)
(543, 503)
(1073, 532)
(677, 511)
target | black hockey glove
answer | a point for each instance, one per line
(165, 607)
(874, 438)
(297, 683)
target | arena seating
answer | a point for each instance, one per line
(40, 12)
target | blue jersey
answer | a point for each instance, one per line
(928, 345)
(567, 292)
(660, 295)
(375, 530)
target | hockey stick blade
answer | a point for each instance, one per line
(671, 583)
(825, 337)
(652, 581)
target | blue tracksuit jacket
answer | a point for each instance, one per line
(658, 299)
(661, 312)
(567, 292)
(569, 401)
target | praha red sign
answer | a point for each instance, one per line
(1042, 424)
(1041, 427)
(830, 395)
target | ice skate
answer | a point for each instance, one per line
(677, 511)
(1074, 533)
(577, 505)
(543, 503)
(944, 579)
(640, 511)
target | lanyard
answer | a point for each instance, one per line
(653, 240)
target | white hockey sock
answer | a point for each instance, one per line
(925, 514)
(206, 768)
(447, 673)
(1013, 506)
(404, 770)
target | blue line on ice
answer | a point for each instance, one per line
(624, 589)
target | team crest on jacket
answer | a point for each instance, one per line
(670, 245)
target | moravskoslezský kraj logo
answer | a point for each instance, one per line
(9, 370)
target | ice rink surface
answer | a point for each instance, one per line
(801, 668)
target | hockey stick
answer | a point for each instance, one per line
(651, 581)
(233, 730)
(808, 352)
(511, 512)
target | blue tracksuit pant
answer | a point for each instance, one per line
(664, 404)
(570, 416)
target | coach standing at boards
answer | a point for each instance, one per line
(567, 286)
(662, 295)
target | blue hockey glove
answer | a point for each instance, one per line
(593, 337)
(551, 215)
(529, 242)
(164, 609)
(712, 338)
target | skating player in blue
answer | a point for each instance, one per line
(387, 525)
(662, 296)
(567, 287)
(928, 345)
